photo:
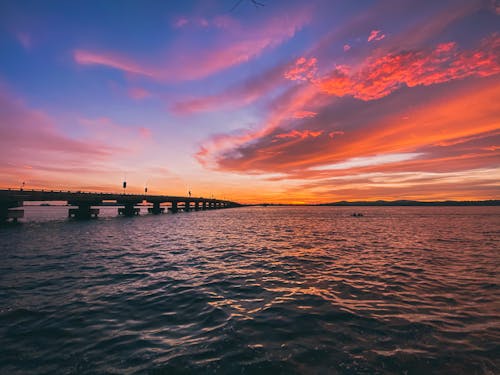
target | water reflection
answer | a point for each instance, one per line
(291, 290)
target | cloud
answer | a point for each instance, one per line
(138, 93)
(84, 57)
(347, 47)
(22, 128)
(32, 146)
(465, 184)
(225, 50)
(353, 130)
(304, 114)
(304, 70)
(380, 76)
(334, 133)
(218, 22)
(299, 134)
(180, 22)
(368, 161)
(104, 129)
(239, 94)
(376, 35)
(25, 40)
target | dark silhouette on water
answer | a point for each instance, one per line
(11, 200)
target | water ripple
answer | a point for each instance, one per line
(253, 290)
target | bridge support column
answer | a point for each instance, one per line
(156, 209)
(196, 205)
(174, 209)
(204, 205)
(84, 210)
(187, 206)
(128, 210)
(7, 213)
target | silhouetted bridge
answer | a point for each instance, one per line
(84, 203)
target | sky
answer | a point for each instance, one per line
(284, 102)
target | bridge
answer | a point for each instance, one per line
(82, 204)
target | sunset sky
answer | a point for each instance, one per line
(293, 101)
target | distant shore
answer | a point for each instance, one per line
(492, 202)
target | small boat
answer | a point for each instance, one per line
(357, 214)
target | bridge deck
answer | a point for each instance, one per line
(12, 198)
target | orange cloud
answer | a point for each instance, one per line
(304, 114)
(380, 76)
(436, 117)
(300, 134)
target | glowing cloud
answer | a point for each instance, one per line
(368, 161)
(304, 70)
(380, 76)
(300, 134)
(376, 35)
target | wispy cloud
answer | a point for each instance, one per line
(227, 50)
(138, 93)
(376, 35)
(25, 39)
(239, 94)
(303, 134)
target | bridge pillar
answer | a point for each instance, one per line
(129, 210)
(204, 205)
(187, 206)
(196, 205)
(174, 209)
(6, 212)
(156, 209)
(84, 210)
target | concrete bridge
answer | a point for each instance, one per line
(83, 203)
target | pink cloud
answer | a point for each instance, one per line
(180, 22)
(347, 47)
(242, 93)
(32, 146)
(104, 129)
(24, 39)
(22, 128)
(376, 35)
(304, 69)
(226, 50)
(335, 133)
(145, 132)
(218, 22)
(304, 114)
(138, 93)
(83, 57)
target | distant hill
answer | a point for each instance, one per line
(413, 203)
